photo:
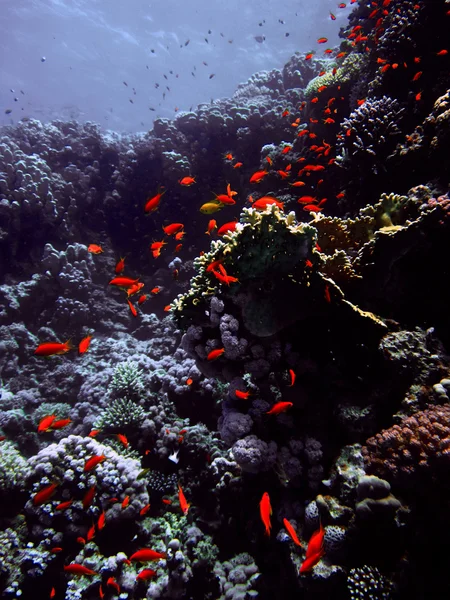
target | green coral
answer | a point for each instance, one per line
(351, 67)
(14, 469)
(127, 381)
(267, 250)
(121, 415)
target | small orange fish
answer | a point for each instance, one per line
(182, 500)
(293, 376)
(417, 75)
(90, 533)
(215, 354)
(211, 226)
(94, 433)
(145, 575)
(155, 290)
(178, 247)
(265, 201)
(84, 344)
(120, 266)
(88, 497)
(279, 407)
(265, 511)
(53, 591)
(418, 96)
(77, 569)
(101, 521)
(113, 583)
(227, 228)
(125, 502)
(166, 501)
(94, 249)
(229, 156)
(52, 348)
(60, 423)
(322, 40)
(187, 181)
(45, 494)
(327, 293)
(64, 505)
(242, 395)
(291, 531)
(142, 299)
(307, 200)
(180, 235)
(311, 208)
(258, 176)
(92, 462)
(442, 52)
(237, 165)
(81, 540)
(124, 282)
(123, 439)
(132, 309)
(153, 203)
(189, 381)
(45, 423)
(309, 56)
(144, 510)
(173, 228)
(146, 555)
(332, 17)
(167, 308)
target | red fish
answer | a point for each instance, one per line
(60, 423)
(332, 17)
(279, 407)
(142, 299)
(125, 502)
(215, 354)
(173, 228)
(211, 226)
(187, 181)
(95, 249)
(182, 500)
(237, 165)
(311, 208)
(90, 533)
(64, 505)
(84, 344)
(322, 40)
(309, 56)
(314, 551)
(258, 176)
(92, 462)
(291, 532)
(265, 511)
(293, 377)
(242, 395)
(145, 575)
(77, 569)
(101, 521)
(124, 282)
(113, 583)
(153, 203)
(265, 201)
(144, 510)
(120, 266)
(45, 423)
(417, 75)
(227, 228)
(122, 438)
(45, 494)
(132, 309)
(146, 554)
(52, 348)
(442, 52)
(88, 497)
(156, 247)
(307, 200)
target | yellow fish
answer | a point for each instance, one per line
(211, 207)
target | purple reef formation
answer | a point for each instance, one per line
(261, 410)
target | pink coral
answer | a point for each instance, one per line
(417, 448)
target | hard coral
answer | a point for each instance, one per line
(414, 454)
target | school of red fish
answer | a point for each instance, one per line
(308, 171)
